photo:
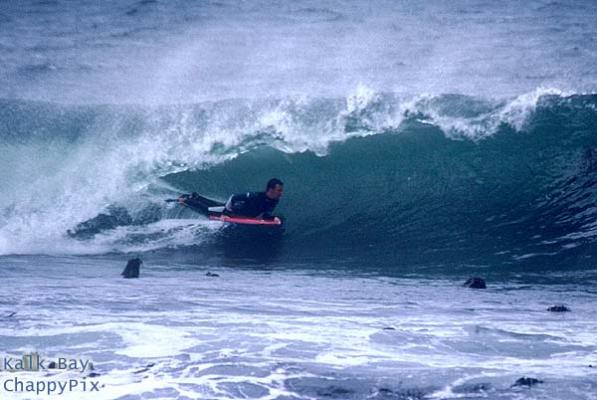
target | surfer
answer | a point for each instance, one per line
(250, 204)
(256, 204)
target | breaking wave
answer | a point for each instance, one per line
(376, 176)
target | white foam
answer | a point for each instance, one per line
(517, 111)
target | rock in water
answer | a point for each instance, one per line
(475, 283)
(558, 308)
(132, 268)
(525, 381)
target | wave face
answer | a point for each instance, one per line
(373, 177)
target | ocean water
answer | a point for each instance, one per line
(420, 144)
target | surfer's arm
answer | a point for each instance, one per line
(182, 198)
(269, 209)
(236, 202)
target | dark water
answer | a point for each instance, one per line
(412, 195)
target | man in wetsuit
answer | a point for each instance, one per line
(256, 204)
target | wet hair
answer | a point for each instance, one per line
(271, 184)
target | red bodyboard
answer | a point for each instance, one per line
(246, 220)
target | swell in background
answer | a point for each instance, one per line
(164, 52)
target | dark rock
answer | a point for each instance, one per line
(132, 268)
(93, 375)
(526, 381)
(213, 275)
(558, 308)
(475, 283)
(52, 365)
(389, 328)
(147, 367)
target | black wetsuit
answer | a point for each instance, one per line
(251, 204)
(199, 203)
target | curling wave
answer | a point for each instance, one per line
(374, 176)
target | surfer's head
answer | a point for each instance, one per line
(274, 189)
